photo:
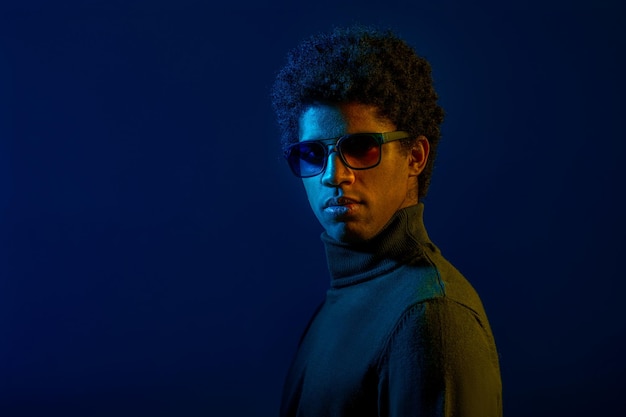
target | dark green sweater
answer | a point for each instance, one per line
(401, 333)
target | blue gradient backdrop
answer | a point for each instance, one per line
(157, 258)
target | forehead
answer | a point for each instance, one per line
(322, 121)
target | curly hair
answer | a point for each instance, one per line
(364, 65)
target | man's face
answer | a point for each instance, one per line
(354, 205)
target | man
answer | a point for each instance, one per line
(401, 332)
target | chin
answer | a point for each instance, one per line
(345, 234)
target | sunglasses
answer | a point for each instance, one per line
(357, 151)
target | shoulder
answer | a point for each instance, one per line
(442, 324)
(442, 353)
(446, 278)
(429, 289)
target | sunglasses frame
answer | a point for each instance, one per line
(335, 146)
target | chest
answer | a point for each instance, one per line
(336, 369)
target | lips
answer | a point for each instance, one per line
(339, 202)
(340, 208)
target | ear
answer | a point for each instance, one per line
(418, 156)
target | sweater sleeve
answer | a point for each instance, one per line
(440, 361)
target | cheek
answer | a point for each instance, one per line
(308, 185)
(312, 189)
(391, 184)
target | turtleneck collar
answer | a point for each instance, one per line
(399, 241)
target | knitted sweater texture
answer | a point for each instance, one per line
(401, 333)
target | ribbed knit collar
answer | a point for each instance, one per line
(399, 241)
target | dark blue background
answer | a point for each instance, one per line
(157, 258)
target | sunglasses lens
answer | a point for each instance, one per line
(361, 151)
(306, 159)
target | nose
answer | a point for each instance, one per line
(336, 173)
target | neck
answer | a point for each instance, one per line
(400, 240)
